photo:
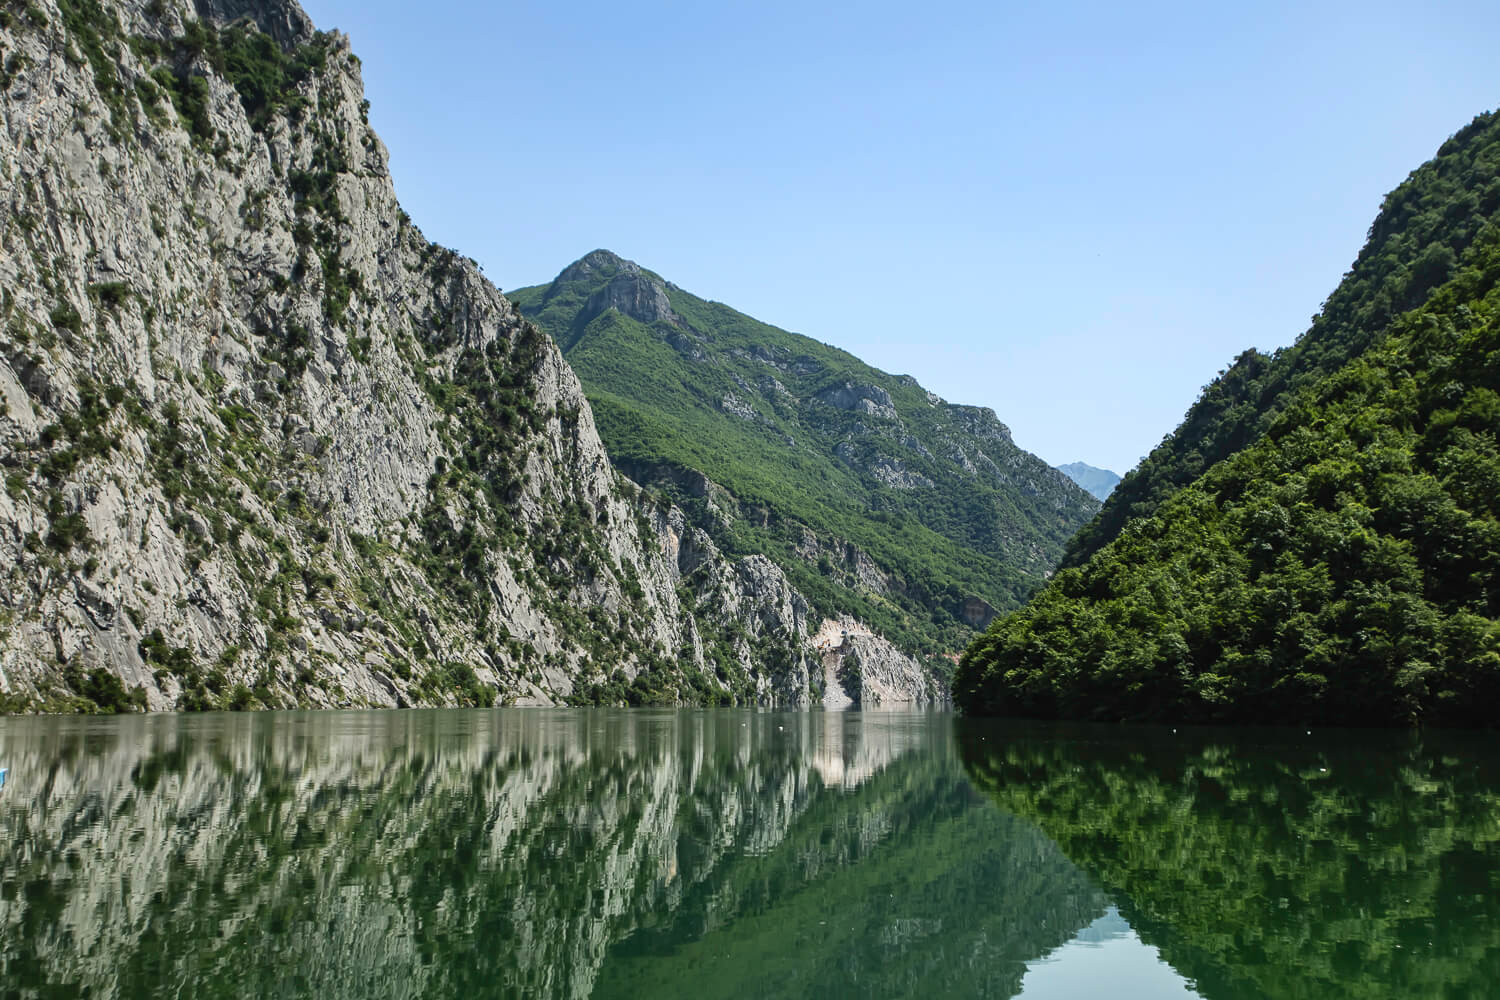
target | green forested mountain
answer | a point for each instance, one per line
(1340, 568)
(878, 498)
(1424, 228)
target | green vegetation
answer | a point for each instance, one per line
(1269, 864)
(1344, 568)
(97, 33)
(1424, 229)
(105, 690)
(266, 76)
(683, 388)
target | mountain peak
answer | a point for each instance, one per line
(774, 444)
(594, 265)
(612, 282)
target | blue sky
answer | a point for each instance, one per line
(1073, 213)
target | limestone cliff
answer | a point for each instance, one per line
(264, 444)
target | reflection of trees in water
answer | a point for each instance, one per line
(906, 887)
(1275, 865)
(495, 854)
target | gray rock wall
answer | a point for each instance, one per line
(263, 444)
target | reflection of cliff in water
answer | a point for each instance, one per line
(500, 853)
(1275, 865)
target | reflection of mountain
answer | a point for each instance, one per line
(1273, 866)
(1107, 928)
(499, 853)
(1106, 959)
(913, 891)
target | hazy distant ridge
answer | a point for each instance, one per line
(1100, 482)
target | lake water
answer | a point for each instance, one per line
(728, 853)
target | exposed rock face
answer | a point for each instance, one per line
(263, 443)
(980, 422)
(861, 669)
(871, 400)
(636, 293)
(736, 406)
(978, 613)
(894, 473)
(636, 297)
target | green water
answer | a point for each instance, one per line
(725, 853)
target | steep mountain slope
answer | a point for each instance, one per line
(264, 444)
(1344, 568)
(1419, 239)
(877, 498)
(1099, 482)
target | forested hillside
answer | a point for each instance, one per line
(877, 498)
(1424, 228)
(1341, 568)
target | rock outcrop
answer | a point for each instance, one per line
(264, 444)
(630, 290)
(862, 669)
(871, 400)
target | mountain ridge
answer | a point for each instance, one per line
(1099, 482)
(878, 498)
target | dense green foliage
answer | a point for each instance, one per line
(1344, 568)
(1270, 864)
(1334, 557)
(266, 76)
(1424, 229)
(698, 388)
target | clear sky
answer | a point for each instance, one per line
(1074, 213)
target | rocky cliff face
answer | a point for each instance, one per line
(861, 668)
(265, 444)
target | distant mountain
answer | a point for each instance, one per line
(1100, 482)
(878, 499)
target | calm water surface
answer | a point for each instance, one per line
(725, 853)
